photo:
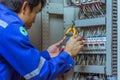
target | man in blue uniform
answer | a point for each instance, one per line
(18, 56)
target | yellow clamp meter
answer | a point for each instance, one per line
(71, 29)
(70, 32)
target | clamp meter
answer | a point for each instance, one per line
(70, 32)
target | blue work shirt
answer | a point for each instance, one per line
(19, 57)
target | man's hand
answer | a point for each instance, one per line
(54, 49)
(74, 45)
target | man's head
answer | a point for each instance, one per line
(26, 9)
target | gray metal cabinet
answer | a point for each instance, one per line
(97, 24)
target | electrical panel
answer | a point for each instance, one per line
(96, 22)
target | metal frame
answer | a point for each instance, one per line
(109, 37)
(50, 8)
(68, 17)
(45, 29)
(90, 69)
(118, 27)
(90, 22)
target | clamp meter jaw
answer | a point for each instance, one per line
(70, 32)
(71, 29)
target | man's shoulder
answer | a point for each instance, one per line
(8, 16)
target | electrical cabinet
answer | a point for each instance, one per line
(97, 23)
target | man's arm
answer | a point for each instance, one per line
(26, 59)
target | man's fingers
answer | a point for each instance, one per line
(60, 42)
(77, 37)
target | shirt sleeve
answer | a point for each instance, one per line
(27, 60)
(45, 54)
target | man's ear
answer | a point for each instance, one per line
(25, 8)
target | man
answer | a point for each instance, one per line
(18, 56)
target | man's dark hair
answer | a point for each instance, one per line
(15, 5)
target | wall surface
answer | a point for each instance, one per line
(35, 32)
(56, 28)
